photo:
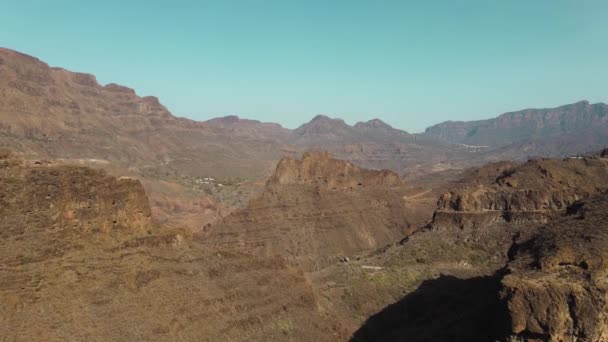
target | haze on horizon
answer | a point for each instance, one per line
(408, 63)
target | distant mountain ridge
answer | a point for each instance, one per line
(320, 128)
(48, 111)
(581, 120)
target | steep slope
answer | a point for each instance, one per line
(520, 277)
(57, 113)
(575, 128)
(556, 284)
(318, 209)
(81, 261)
(531, 192)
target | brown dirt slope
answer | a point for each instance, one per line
(81, 261)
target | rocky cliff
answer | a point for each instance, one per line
(316, 210)
(81, 261)
(538, 278)
(44, 199)
(319, 169)
(555, 289)
(530, 192)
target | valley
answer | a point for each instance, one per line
(121, 221)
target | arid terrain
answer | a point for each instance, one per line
(122, 222)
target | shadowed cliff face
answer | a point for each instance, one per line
(317, 209)
(553, 288)
(443, 310)
(531, 192)
(553, 284)
(81, 261)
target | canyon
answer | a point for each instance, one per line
(121, 221)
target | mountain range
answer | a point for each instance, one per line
(49, 111)
(123, 221)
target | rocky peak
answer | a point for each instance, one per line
(315, 209)
(323, 125)
(68, 199)
(374, 123)
(319, 168)
(228, 119)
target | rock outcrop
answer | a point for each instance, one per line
(556, 287)
(319, 169)
(81, 261)
(40, 199)
(531, 192)
(540, 237)
(553, 287)
(318, 209)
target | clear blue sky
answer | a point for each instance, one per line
(410, 63)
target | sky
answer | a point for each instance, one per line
(410, 63)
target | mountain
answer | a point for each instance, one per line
(325, 130)
(48, 112)
(322, 129)
(318, 209)
(530, 192)
(82, 261)
(56, 113)
(515, 251)
(575, 128)
(554, 287)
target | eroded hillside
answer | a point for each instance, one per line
(81, 260)
(318, 209)
(536, 278)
